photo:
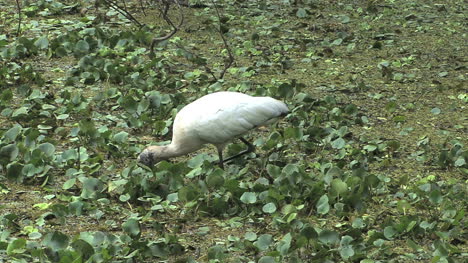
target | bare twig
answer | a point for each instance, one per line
(18, 31)
(122, 10)
(169, 21)
(228, 63)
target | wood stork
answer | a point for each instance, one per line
(217, 119)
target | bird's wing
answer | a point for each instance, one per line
(223, 122)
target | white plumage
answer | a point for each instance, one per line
(217, 119)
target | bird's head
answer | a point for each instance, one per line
(151, 156)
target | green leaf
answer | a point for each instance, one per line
(435, 111)
(62, 116)
(346, 249)
(131, 227)
(443, 74)
(338, 143)
(70, 154)
(14, 172)
(56, 241)
(301, 13)
(47, 148)
(17, 246)
(389, 232)
(358, 223)
(460, 161)
(403, 206)
(217, 253)
(22, 111)
(273, 170)
(250, 236)
(339, 186)
(269, 208)
(69, 183)
(92, 187)
(284, 244)
(322, 205)
(81, 47)
(329, 237)
(290, 168)
(8, 153)
(435, 196)
(267, 259)
(121, 137)
(84, 248)
(248, 198)
(263, 242)
(215, 179)
(295, 133)
(42, 43)
(12, 133)
(188, 193)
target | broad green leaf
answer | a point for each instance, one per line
(460, 161)
(14, 172)
(84, 248)
(435, 111)
(22, 111)
(290, 168)
(217, 253)
(338, 143)
(42, 43)
(284, 244)
(322, 205)
(267, 259)
(69, 183)
(329, 237)
(250, 236)
(269, 208)
(47, 148)
(17, 246)
(81, 47)
(13, 132)
(263, 242)
(215, 179)
(346, 249)
(8, 153)
(248, 198)
(273, 170)
(301, 13)
(131, 227)
(389, 232)
(56, 241)
(309, 232)
(358, 223)
(339, 186)
(121, 137)
(92, 187)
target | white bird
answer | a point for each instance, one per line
(217, 119)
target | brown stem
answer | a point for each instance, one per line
(18, 6)
(227, 64)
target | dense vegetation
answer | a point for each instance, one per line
(369, 166)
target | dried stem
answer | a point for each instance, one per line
(18, 6)
(122, 10)
(228, 63)
(169, 21)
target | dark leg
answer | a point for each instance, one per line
(250, 148)
(220, 154)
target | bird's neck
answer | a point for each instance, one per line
(170, 151)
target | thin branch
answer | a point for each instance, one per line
(18, 31)
(122, 10)
(227, 64)
(169, 21)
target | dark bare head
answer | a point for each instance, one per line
(152, 155)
